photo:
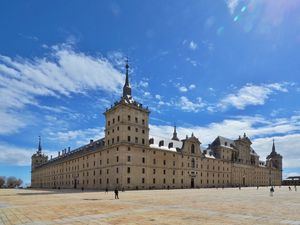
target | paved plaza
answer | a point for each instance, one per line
(188, 206)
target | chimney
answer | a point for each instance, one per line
(151, 141)
(91, 141)
(161, 143)
(69, 149)
(58, 153)
(170, 145)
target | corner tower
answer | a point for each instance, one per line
(274, 159)
(127, 121)
(38, 158)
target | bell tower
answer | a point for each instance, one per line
(127, 121)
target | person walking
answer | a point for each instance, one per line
(290, 188)
(271, 191)
(116, 193)
(106, 190)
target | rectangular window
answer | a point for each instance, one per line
(164, 171)
(128, 158)
(136, 140)
(143, 180)
(153, 171)
(153, 180)
(128, 169)
(118, 118)
(129, 118)
(143, 121)
(136, 119)
(128, 128)
(154, 161)
(128, 138)
(128, 180)
(117, 158)
(143, 170)
(143, 159)
(143, 141)
(136, 130)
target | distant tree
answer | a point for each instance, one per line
(11, 182)
(19, 182)
(2, 182)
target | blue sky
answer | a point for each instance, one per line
(212, 67)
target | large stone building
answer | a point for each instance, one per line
(127, 158)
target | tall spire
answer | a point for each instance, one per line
(126, 88)
(175, 138)
(273, 147)
(40, 145)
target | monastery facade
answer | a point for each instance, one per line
(127, 157)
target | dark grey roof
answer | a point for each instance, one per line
(222, 141)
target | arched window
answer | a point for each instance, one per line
(193, 149)
(193, 163)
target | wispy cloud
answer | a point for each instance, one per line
(187, 105)
(193, 45)
(232, 4)
(62, 72)
(251, 95)
(77, 137)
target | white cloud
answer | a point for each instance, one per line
(183, 89)
(193, 45)
(232, 4)
(251, 95)
(147, 94)
(143, 84)
(192, 86)
(13, 155)
(61, 73)
(77, 137)
(186, 105)
(158, 97)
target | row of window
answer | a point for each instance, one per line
(128, 118)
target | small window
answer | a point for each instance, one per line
(129, 118)
(143, 159)
(128, 180)
(128, 128)
(143, 121)
(193, 149)
(128, 138)
(136, 119)
(128, 158)
(128, 169)
(118, 118)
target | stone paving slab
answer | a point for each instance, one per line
(188, 206)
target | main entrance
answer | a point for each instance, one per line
(192, 183)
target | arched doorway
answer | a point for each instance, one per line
(192, 183)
